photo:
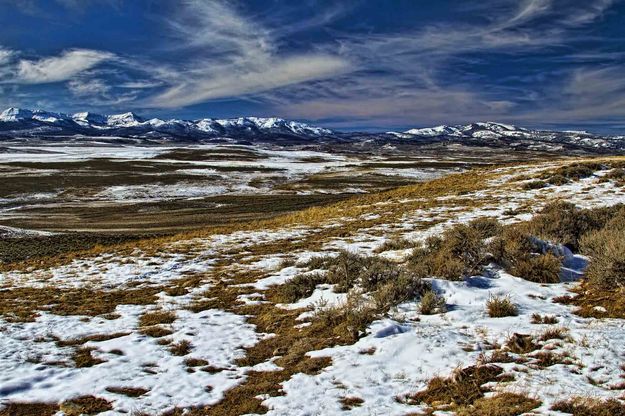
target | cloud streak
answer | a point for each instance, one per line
(235, 57)
(52, 69)
(504, 60)
(412, 77)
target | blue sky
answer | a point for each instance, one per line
(373, 65)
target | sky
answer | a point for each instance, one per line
(351, 65)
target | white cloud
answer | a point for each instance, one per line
(287, 71)
(234, 56)
(82, 88)
(409, 77)
(59, 68)
(5, 55)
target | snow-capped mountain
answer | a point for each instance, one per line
(18, 121)
(498, 134)
(24, 123)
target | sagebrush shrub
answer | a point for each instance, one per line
(606, 249)
(500, 306)
(406, 287)
(348, 319)
(458, 253)
(345, 270)
(521, 255)
(300, 287)
(432, 303)
(486, 227)
(564, 223)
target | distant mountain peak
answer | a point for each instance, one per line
(15, 114)
(39, 122)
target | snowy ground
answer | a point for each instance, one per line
(404, 350)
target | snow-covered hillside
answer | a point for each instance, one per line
(39, 122)
(498, 133)
(20, 123)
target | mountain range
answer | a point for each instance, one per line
(18, 123)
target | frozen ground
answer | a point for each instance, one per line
(56, 183)
(403, 351)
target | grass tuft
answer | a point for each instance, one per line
(180, 348)
(85, 405)
(463, 387)
(502, 404)
(432, 303)
(590, 407)
(500, 306)
(128, 391)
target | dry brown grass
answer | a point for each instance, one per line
(544, 319)
(458, 253)
(606, 249)
(156, 331)
(195, 362)
(521, 256)
(397, 243)
(406, 286)
(564, 223)
(500, 306)
(590, 302)
(432, 303)
(547, 359)
(300, 287)
(348, 403)
(90, 338)
(23, 303)
(83, 357)
(521, 343)
(85, 405)
(486, 227)
(181, 348)
(582, 406)
(29, 409)
(502, 404)
(554, 333)
(128, 391)
(462, 388)
(157, 317)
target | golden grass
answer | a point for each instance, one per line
(596, 303)
(348, 403)
(181, 348)
(500, 306)
(157, 317)
(83, 357)
(85, 405)
(23, 303)
(431, 303)
(586, 406)
(464, 387)
(29, 409)
(502, 404)
(128, 391)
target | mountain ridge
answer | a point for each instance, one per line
(19, 122)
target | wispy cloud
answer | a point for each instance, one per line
(35, 7)
(318, 65)
(59, 68)
(588, 94)
(411, 77)
(235, 56)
